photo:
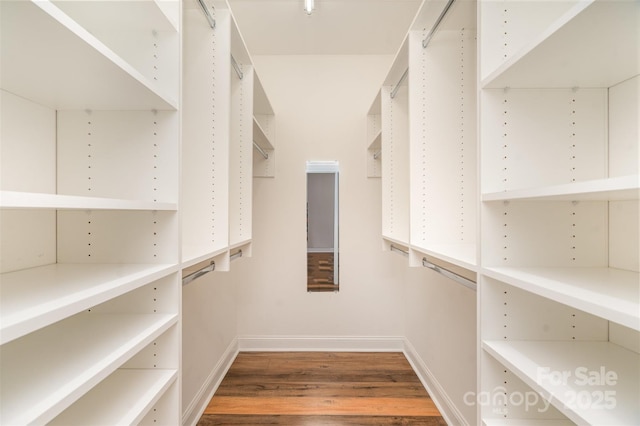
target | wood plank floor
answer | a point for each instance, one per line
(321, 388)
(320, 270)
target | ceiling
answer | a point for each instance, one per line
(336, 27)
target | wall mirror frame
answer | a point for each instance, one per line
(323, 265)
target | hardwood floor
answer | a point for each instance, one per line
(320, 272)
(321, 388)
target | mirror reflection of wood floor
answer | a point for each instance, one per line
(321, 388)
(320, 272)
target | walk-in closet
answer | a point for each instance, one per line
(456, 182)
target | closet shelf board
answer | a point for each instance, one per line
(33, 200)
(36, 297)
(123, 398)
(613, 294)
(534, 361)
(616, 188)
(260, 137)
(46, 371)
(463, 255)
(193, 254)
(69, 68)
(129, 16)
(376, 142)
(576, 50)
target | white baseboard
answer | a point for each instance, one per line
(320, 343)
(445, 405)
(196, 407)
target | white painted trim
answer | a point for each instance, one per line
(445, 405)
(321, 343)
(196, 407)
(322, 167)
(319, 250)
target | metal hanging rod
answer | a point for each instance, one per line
(399, 250)
(260, 150)
(376, 155)
(433, 29)
(236, 67)
(236, 255)
(450, 274)
(397, 87)
(207, 14)
(200, 272)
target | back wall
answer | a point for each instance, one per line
(320, 104)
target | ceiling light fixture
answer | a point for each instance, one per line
(308, 6)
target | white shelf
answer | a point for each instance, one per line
(612, 294)
(33, 298)
(376, 143)
(239, 244)
(527, 422)
(33, 200)
(594, 44)
(395, 241)
(123, 398)
(399, 65)
(463, 255)
(376, 106)
(45, 372)
(260, 137)
(530, 360)
(617, 188)
(261, 104)
(193, 254)
(136, 16)
(63, 66)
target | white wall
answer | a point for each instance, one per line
(320, 104)
(209, 332)
(440, 325)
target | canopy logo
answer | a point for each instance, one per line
(580, 388)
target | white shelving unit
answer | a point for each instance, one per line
(395, 151)
(206, 132)
(443, 170)
(89, 238)
(559, 277)
(241, 144)
(423, 141)
(225, 111)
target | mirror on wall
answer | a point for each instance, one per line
(322, 226)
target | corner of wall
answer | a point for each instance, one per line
(194, 410)
(445, 405)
